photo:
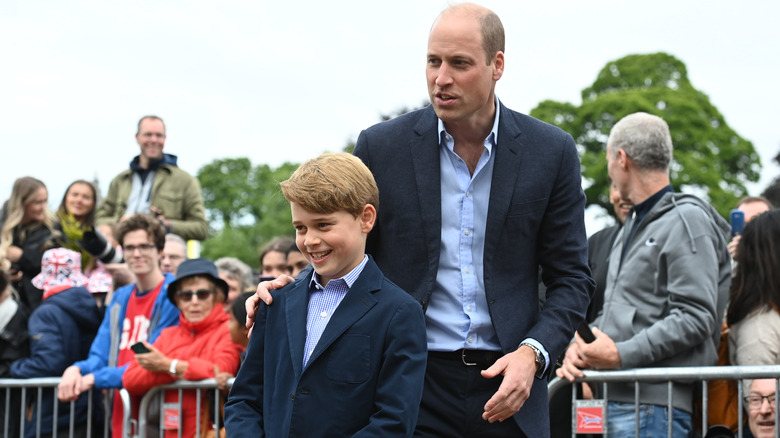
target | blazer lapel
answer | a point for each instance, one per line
(505, 174)
(359, 300)
(424, 149)
(297, 304)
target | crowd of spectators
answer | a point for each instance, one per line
(105, 296)
(84, 287)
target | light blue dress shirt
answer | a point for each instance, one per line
(323, 301)
(457, 315)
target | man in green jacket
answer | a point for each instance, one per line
(155, 185)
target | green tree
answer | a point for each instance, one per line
(710, 158)
(245, 207)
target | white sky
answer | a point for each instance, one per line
(286, 81)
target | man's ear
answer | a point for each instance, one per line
(498, 65)
(622, 159)
(367, 218)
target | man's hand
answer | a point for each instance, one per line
(733, 246)
(264, 293)
(518, 369)
(601, 354)
(69, 387)
(572, 362)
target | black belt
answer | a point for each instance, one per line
(483, 358)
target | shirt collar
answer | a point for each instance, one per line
(349, 278)
(645, 206)
(492, 138)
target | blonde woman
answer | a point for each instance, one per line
(25, 235)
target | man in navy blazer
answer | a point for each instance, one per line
(534, 217)
(475, 199)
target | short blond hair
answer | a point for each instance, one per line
(332, 182)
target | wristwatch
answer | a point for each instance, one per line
(172, 370)
(539, 356)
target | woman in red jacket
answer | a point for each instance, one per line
(198, 348)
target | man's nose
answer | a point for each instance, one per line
(444, 76)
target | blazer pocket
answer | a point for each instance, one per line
(527, 208)
(349, 359)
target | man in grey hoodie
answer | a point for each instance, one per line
(667, 284)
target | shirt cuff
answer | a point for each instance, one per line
(541, 348)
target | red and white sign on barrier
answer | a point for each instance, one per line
(590, 416)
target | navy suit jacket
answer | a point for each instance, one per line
(535, 218)
(364, 377)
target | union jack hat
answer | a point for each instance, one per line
(60, 267)
(100, 281)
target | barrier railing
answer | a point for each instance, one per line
(157, 394)
(16, 394)
(670, 375)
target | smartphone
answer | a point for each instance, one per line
(585, 333)
(737, 222)
(139, 348)
(263, 278)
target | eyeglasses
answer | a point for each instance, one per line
(202, 294)
(754, 401)
(143, 248)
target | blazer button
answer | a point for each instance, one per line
(292, 396)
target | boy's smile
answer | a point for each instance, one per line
(335, 242)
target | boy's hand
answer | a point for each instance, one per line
(264, 293)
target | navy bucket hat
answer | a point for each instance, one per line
(189, 268)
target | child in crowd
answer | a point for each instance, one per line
(342, 351)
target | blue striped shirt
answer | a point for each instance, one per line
(323, 301)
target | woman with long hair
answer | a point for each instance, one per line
(27, 232)
(754, 299)
(76, 222)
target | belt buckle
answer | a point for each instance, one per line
(463, 359)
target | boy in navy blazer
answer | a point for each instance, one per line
(342, 352)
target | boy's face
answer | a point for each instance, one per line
(334, 243)
(141, 255)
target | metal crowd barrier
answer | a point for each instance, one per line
(671, 374)
(15, 394)
(155, 398)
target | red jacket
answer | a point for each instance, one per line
(204, 345)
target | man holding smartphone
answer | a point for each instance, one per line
(668, 279)
(137, 312)
(749, 207)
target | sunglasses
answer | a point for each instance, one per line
(202, 294)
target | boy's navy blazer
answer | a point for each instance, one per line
(535, 218)
(364, 377)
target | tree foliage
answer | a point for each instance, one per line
(245, 207)
(710, 158)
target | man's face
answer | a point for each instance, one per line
(753, 209)
(761, 418)
(172, 256)
(334, 243)
(621, 206)
(234, 288)
(460, 83)
(151, 138)
(616, 174)
(140, 253)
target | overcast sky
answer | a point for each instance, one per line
(286, 81)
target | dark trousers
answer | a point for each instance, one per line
(454, 398)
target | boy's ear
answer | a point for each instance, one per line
(367, 218)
